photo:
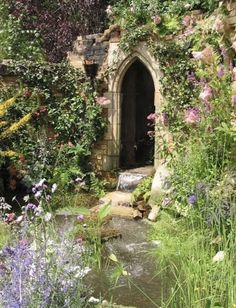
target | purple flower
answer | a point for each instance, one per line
(221, 71)
(80, 217)
(192, 115)
(38, 194)
(192, 199)
(30, 206)
(191, 78)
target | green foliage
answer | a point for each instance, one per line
(5, 234)
(15, 42)
(186, 252)
(142, 191)
(65, 124)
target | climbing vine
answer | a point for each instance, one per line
(66, 121)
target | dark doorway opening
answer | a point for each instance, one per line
(137, 90)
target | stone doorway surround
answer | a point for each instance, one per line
(121, 62)
(106, 154)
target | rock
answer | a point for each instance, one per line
(160, 185)
(141, 206)
(137, 214)
(116, 198)
(154, 213)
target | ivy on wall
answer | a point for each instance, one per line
(66, 120)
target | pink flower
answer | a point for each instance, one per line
(197, 55)
(221, 71)
(151, 133)
(206, 93)
(152, 117)
(192, 116)
(10, 217)
(187, 20)
(206, 56)
(103, 101)
(218, 25)
(156, 19)
(234, 100)
(234, 45)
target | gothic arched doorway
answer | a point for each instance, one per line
(137, 102)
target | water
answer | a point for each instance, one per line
(133, 250)
(128, 181)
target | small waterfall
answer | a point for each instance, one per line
(128, 181)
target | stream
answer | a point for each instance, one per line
(134, 252)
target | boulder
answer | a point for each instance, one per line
(160, 184)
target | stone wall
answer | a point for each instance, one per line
(104, 49)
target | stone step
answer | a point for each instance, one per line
(129, 179)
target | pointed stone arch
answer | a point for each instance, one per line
(120, 62)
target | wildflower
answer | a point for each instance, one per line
(234, 45)
(197, 55)
(156, 19)
(30, 206)
(5, 105)
(40, 184)
(219, 256)
(109, 10)
(218, 25)
(48, 197)
(47, 216)
(15, 126)
(152, 117)
(221, 71)
(93, 300)
(10, 217)
(103, 101)
(234, 100)
(151, 133)
(206, 56)
(192, 116)
(3, 205)
(54, 187)
(132, 7)
(191, 77)
(187, 21)
(192, 199)
(38, 194)
(187, 6)
(80, 217)
(206, 94)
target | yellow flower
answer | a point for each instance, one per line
(5, 105)
(15, 126)
(9, 153)
(3, 123)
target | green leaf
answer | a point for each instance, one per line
(113, 258)
(104, 211)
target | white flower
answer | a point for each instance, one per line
(47, 216)
(93, 300)
(109, 10)
(219, 256)
(38, 194)
(54, 187)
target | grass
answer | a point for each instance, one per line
(5, 234)
(186, 253)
